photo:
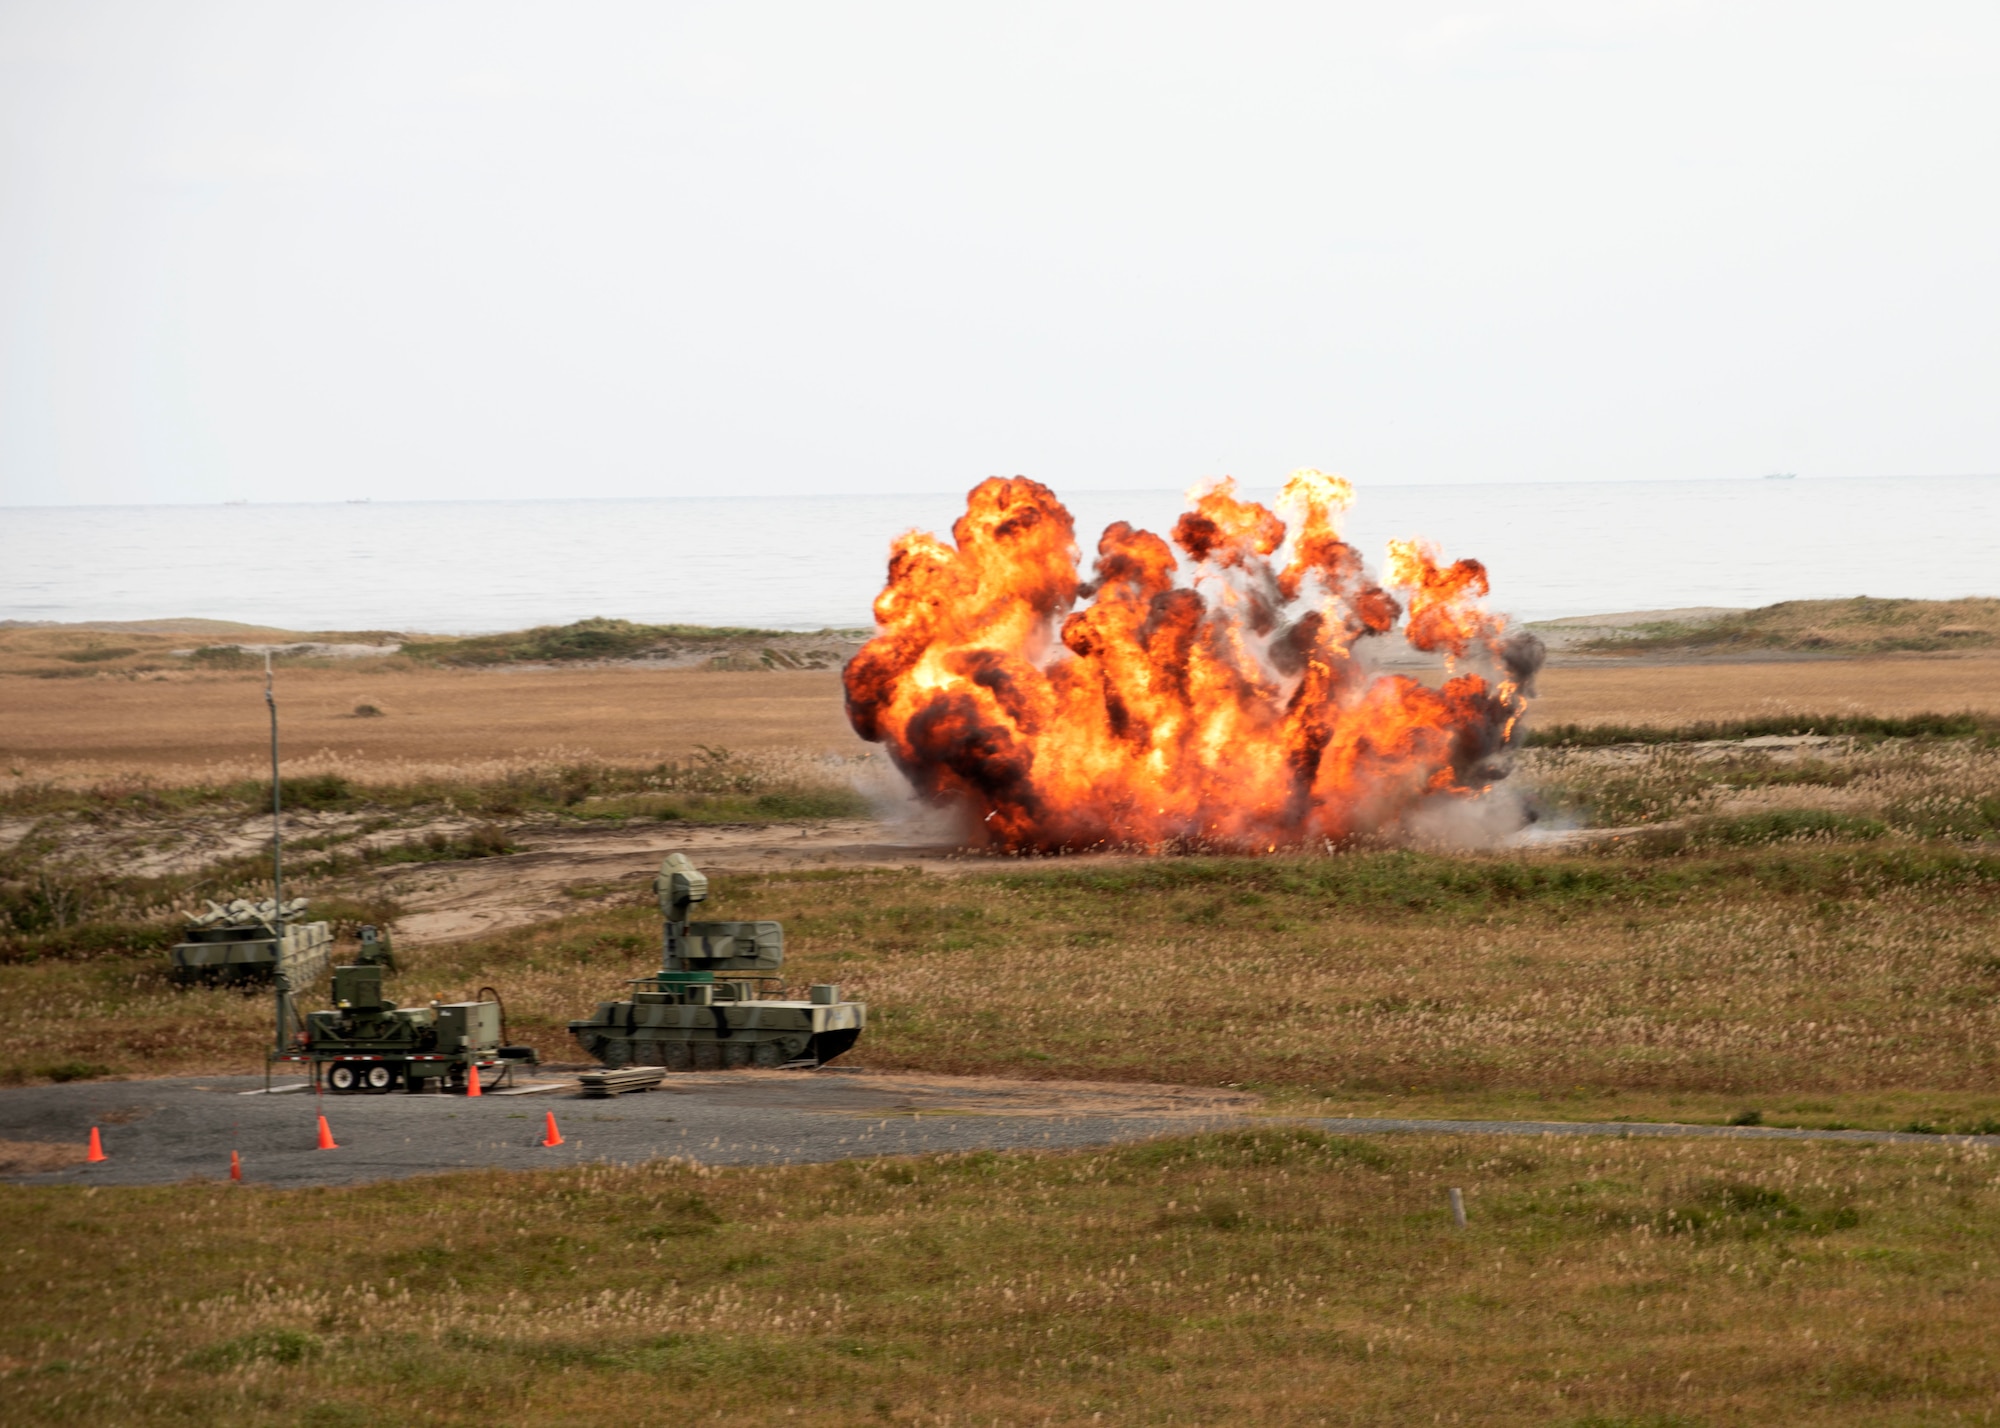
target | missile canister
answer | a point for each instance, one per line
(239, 944)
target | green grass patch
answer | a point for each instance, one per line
(84, 941)
(1475, 886)
(1966, 725)
(61, 1071)
(770, 807)
(709, 785)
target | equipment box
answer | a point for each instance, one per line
(467, 1026)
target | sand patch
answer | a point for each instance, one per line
(569, 870)
(31, 1157)
(878, 1094)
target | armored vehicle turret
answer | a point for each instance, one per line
(710, 1004)
(239, 945)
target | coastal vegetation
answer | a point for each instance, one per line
(596, 639)
(1861, 625)
(141, 647)
(154, 647)
(1858, 626)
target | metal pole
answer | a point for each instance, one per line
(281, 980)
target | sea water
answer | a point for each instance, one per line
(1552, 549)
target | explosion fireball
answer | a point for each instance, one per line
(1228, 698)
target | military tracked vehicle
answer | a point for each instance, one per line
(708, 1006)
(368, 1043)
(240, 945)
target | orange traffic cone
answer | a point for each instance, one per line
(472, 1080)
(553, 1136)
(96, 1148)
(235, 1166)
(326, 1135)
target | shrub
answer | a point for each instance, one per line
(88, 941)
(585, 639)
(225, 657)
(314, 791)
(278, 1346)
(1748, 1210)
(75, 1071)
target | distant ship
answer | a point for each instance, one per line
(1782, 476)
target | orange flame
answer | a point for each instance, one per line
(1221, 700)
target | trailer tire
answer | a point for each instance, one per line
(378, 1078)
(343, 1076)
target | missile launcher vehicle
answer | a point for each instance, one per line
(239, 945)
(368, 1043)
(709, 1006)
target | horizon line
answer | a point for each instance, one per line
(883, 495)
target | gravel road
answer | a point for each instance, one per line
(160, 1131)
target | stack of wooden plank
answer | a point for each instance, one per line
(608, 1082)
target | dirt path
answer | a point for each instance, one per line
(568, 870)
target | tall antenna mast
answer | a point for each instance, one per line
(280, 980)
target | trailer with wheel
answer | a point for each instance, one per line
(366, 1043)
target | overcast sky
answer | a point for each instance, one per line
(285, 251)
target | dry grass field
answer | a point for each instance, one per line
(1614, 691)
(1278, 1276)
(211, 727)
